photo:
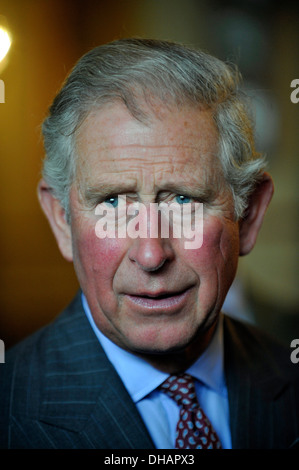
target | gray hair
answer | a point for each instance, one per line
(134, 71)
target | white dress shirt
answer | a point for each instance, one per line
(159, 412)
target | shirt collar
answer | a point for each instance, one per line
(140, 378)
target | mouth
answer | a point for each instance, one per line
(166, 301)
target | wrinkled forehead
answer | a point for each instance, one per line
(179, 144)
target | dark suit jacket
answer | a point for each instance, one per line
(59, 390)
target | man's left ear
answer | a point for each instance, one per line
(250, 225)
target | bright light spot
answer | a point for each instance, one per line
(5, 43)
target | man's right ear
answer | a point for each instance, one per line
(57, 220)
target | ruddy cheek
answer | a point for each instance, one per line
(220, 249)
(106, 256)
(208, 251)
(96, 255)
(229, 241)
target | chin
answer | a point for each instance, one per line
(163, 341)
(160, 349)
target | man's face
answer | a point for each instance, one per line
(152, 295)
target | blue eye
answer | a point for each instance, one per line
(182, 199)
(112, 201)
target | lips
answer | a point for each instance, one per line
(162, 300)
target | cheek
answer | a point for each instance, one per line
(220, 248)
(96, 260)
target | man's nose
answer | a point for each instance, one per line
(151, 252)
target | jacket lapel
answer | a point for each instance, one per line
(82, 392)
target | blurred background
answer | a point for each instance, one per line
(47, 37)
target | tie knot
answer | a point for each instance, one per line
(181, 389)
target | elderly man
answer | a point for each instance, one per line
(143, 357)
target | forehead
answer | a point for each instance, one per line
(179, 144)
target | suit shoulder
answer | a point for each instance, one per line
(17, 376)
(37, 343)
(22, 374)
(257, 348)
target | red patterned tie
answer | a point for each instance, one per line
(194, 430)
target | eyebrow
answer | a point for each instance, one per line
(194, 190)
(101, 191)
(92, 193)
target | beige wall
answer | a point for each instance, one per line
(48, 37)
